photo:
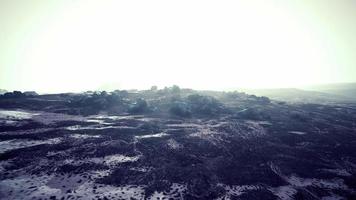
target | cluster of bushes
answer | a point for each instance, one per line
(18, 94)
(114, 102)
(173, 101)
(181, 109)
(140, 106)
(196, 105)
(262, 100)
(97, 101)
(204, 104)
(170, 100)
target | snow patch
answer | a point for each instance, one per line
(113, 160)
(84, 136)
(236, 190)
(50, 118)
(16, 114)
(172, 144)
(340, 172)
(176, 192)
(321, 183)
(157, 135)
(78, 127)
(99, 121)
(65, 186)
(284, 192)
(297, 132)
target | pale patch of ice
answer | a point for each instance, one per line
(259, 122)
(62, 182)
(296, 181)
(176, 191)
(265, 123)
(65, 186)
(99, 121)
(60, 152)
(10, 122)
(183, 125)
(75, 127)
(112, 160)
(100, 173)
(254, 130)
(321, 183)
(16, 114)
(217, 125)
(297, 132)
(78, 127)
(158, 196)
(205, 132)
(41, 117)
(83, 186)
(157, 135)
(172, 144)
(214, 130)
(50, 118)
(67, 161)
(9, 145)
(141, 169)
(44, 189)
(121, 117)
(146, 119)
(27, 187)
(236, 190)
(340, 172)
(248, 129)
(284, 192)
(110, 192)
(116, 117)
(84, 136)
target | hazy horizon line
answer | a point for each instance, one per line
(231, 89)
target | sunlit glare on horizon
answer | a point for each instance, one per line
(59, 46)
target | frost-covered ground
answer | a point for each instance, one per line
(46, 155)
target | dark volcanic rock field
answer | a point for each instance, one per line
(174, 144)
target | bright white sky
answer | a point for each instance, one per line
(59, 46)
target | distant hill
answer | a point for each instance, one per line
(341, 89)
(325, 94)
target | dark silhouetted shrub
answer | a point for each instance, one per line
(180, 109)
(204, 105)
(140, 106)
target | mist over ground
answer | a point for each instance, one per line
(196, 100)
(175, 143)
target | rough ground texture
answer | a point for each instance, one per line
(175, 146)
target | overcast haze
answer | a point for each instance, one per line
(58, 46)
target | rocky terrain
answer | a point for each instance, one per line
(174, 144)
